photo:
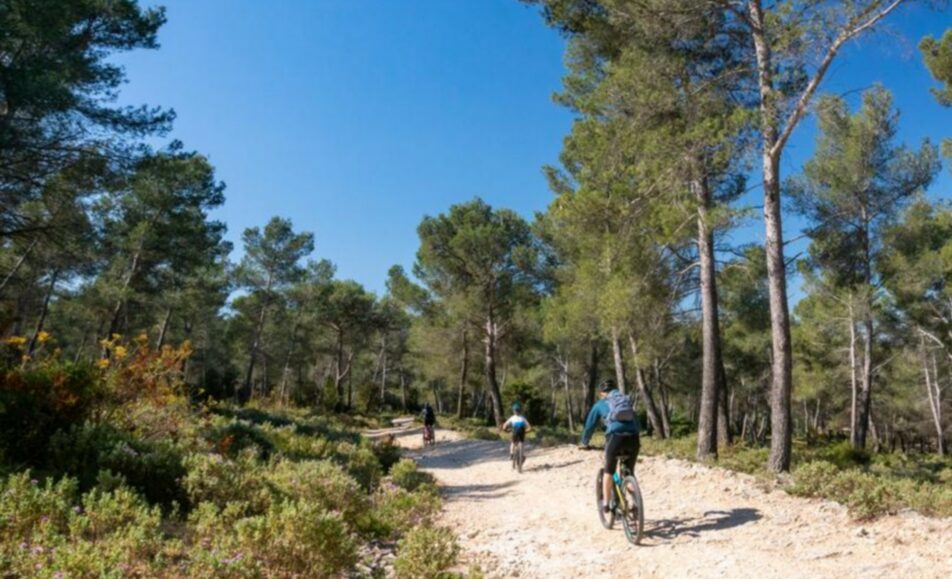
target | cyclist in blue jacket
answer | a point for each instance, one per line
(621, 432)
(519, 426)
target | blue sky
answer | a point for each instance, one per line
(355, 118)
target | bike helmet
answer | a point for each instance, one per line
(517, 406)
(607, 385)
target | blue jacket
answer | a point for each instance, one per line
(599, 413)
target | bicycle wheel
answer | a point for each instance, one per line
(607, 519)
(633, 510)
(520, 457)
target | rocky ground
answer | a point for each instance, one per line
(701, 521)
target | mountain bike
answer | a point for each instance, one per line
(627, 504)
(518, 456)
(429, 435)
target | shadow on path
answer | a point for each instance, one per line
(477, 492)
(529, 467)
(710, 521)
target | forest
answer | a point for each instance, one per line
(187, 403)
(629, 272)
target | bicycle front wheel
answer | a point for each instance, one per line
(633, 515)
(607, 518)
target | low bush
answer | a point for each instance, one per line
(407, 476)
(213, 478)
(37, 402)
(396, 510)
(296, 539)
(869, 495)
(155, 469)
(361, 463)
(48, 530)
(426, 553)
(323, 483)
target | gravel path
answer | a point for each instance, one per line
(701, 522)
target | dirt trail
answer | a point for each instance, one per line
(701, 522)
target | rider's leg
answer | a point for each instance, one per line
(608, 490)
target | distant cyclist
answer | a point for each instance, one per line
(617, 414)
(429, 421)
(519, 426)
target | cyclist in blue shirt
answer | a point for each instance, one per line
(621, 433)
(519, 426)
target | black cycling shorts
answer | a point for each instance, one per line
(518, 434)
(621, 444)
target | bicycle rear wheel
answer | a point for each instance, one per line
(633, 515)
(607, 518)
(520, 457)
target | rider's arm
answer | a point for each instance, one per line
(506, 424)
(528, 426)
(591, 422)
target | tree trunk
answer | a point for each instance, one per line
(935, 401)
(34, 340)
(620, 379)
(665, 400)
(569, 411)
(163, 331)
(725, 435)
(865, 393)
(403, 390)
(259, 327)
(854, 383)
(463, 371)
(117, 309)
(255, 344)
(492, 384)
(707, 432)
(286, 371)
(383, 375)
(651, 409)
(781, 370)
(588, 387)
(339, 372)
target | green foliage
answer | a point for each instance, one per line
(50, 531)
(535, 407)
(296, 538)
(396, 510)
(155, 469)
(426, 553)
(222, 481)
(938, 58)
(407, 476)
(35, 403)
(322, 483)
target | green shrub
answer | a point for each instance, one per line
(426, 553)
(220, 480)
(35, 403)
(230, 437)
(484, 433)
(25, 503)
(47, 532)
(320, 482)
(406, 475)
(361, 463)
(843, 455)
(155, 469)
(388, 454)
(298, 538)
(397, 510)
(288, 441)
